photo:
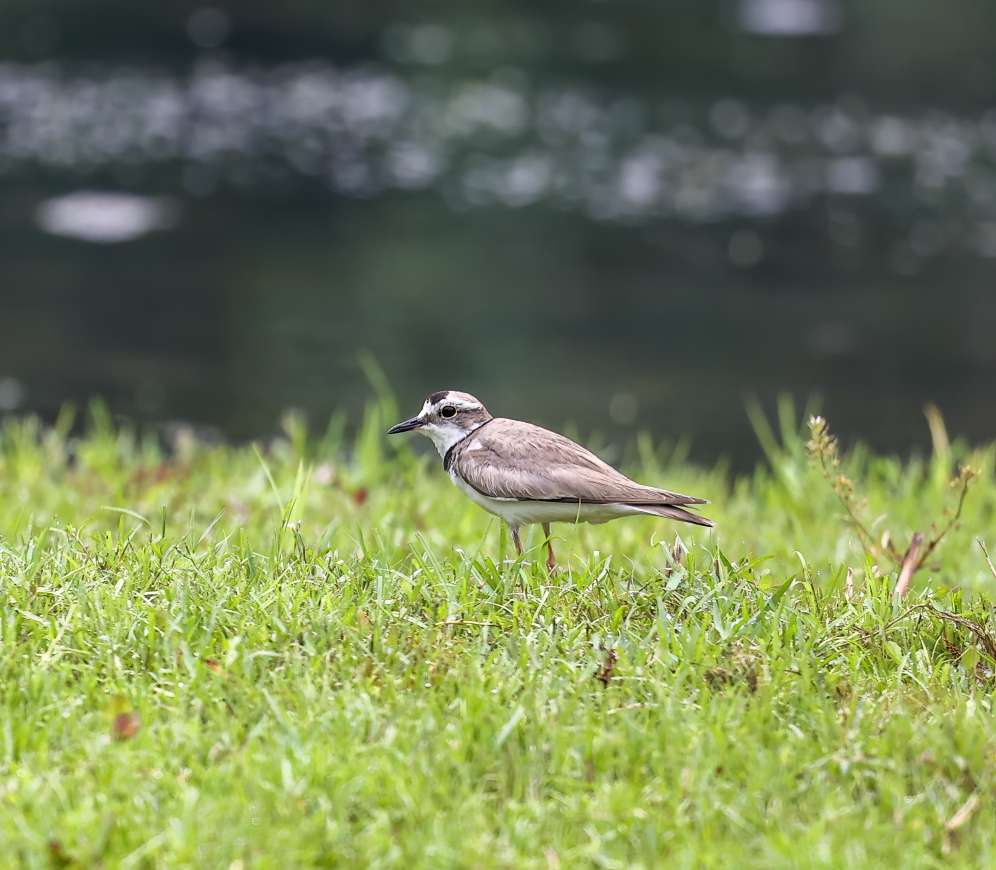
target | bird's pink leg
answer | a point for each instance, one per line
(551, 560)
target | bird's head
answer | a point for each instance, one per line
(448, 416)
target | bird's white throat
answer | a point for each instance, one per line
(443, 435)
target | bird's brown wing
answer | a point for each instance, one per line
(512, 459)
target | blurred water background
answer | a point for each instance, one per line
(629, 215)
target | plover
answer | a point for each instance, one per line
(525, 474)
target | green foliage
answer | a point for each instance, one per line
(310, 653)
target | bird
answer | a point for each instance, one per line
(526, 474)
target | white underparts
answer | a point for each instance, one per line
(516, 512)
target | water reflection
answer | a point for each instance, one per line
(502, 141)
(790, 17)
(100, 216)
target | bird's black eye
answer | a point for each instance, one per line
(448, 411)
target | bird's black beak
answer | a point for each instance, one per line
(406, 426)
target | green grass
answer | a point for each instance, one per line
(334, 659)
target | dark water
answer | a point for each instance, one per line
(217, 235)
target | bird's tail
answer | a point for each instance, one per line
(673, 513)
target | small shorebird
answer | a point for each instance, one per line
(525, 474)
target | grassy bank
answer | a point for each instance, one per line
(321, 653)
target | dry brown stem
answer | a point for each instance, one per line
(989, 561)
(822, 447)
(911, 561)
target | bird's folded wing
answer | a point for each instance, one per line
(515, 460)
